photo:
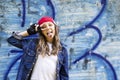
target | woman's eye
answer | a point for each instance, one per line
(50, 24)
(43, 27)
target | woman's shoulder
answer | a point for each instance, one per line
(64, 47)
(63, 44)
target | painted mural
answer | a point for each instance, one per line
(89, 28)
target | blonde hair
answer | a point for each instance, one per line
(43, 48)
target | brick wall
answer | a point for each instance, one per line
(70, 15)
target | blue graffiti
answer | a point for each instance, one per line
(87, 27)
(92, 54)
(11, 65)
(23, 12)
(89, 53)
(49, 3)
(104, 3)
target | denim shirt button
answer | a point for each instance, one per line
(26, 76)
(57, 75)
(31, 69)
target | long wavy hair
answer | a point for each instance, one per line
(43, 48)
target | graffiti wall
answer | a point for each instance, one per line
(89, 28)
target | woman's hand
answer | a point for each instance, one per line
(33, 29)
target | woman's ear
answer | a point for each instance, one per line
(57, 28)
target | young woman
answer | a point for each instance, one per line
(45, 57)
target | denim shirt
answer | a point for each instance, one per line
(29, 58)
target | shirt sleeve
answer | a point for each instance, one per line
(15, 42)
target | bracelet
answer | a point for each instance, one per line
(15, 35)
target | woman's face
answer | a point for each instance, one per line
(48, 30)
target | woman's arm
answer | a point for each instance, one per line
(17, 38)
(24, 33)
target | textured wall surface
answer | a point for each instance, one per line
(100, 63)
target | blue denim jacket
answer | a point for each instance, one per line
(29, 58)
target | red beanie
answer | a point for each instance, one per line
(45, 19)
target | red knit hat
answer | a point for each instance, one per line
(45, 19)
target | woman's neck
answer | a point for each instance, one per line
(50, 40)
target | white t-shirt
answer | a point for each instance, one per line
(45, 67)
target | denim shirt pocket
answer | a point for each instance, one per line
(30, 49)
(28, 61)
(30, 52)
(29, 57)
